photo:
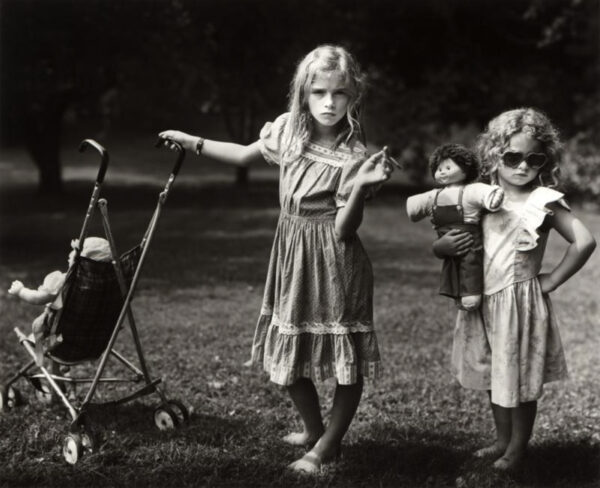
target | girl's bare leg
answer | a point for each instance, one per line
(523, 418)
(503, 423)
(345, 403)
(306, 400)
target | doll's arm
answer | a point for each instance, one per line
(35, 297)
(225, 152)
(420, 206)
(495, 199)
(581, 246)
(484, 196)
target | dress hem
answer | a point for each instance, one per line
(347, 375)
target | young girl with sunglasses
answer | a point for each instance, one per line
(316, 320)
(516, 348)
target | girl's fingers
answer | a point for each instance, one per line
(377, 157)
(464, 244)
(389, 159)
(464, 239)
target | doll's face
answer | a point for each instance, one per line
(521, 175)
(449, 173)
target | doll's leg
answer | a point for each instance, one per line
(471, 279)
(470, 302)
(503, 423)
(523, 418)
(37, 327)
(306, 400)
(345, 403)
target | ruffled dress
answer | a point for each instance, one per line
(512, 346)
(316, 319)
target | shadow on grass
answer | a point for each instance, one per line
(139, 196)
(383, 463)
(224, 232)
(570, 464)
(213, 450)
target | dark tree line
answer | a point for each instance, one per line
(433, 64)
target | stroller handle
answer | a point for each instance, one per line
(103, 154)
(180, 153)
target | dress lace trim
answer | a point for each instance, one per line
(320, 154)
(336, 328)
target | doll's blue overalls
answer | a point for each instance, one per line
(461, 275)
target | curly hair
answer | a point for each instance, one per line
(324, 59)
(463, 157)
(492, 143)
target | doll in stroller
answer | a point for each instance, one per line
(95, 248)
(85, 309)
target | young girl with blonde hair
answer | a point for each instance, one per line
(516, 348)
(316, 320)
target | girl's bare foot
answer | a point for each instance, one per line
(301, 439)
(494, 451)
(311, 462)
(509, 463)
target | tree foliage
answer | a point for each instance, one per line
(438, 69)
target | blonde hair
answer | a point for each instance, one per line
(299, 126)
(492, 143)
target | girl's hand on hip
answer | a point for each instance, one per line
(453, 244)
(546, 283)
(187, 141)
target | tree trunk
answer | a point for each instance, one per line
(50, 175)
(44, 131)
(241, 176)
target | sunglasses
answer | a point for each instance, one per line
(512, 159)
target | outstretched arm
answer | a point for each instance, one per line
(225, 152)
(35, 297)
(581, 246)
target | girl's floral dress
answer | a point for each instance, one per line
(316, 319)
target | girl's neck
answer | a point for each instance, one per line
(517, 193)
(324, 141)
(324, 135)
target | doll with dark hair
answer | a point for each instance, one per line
(457, 206)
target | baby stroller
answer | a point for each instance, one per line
(96, 298)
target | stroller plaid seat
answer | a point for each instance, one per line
(96, 298)
(81, 328)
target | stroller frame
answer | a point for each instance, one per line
(170, 412)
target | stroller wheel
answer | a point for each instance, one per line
(72, 448)
(9, 398)
(89, 440)
(165, 418)
(179, 409)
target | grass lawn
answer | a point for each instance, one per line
(196, 307)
